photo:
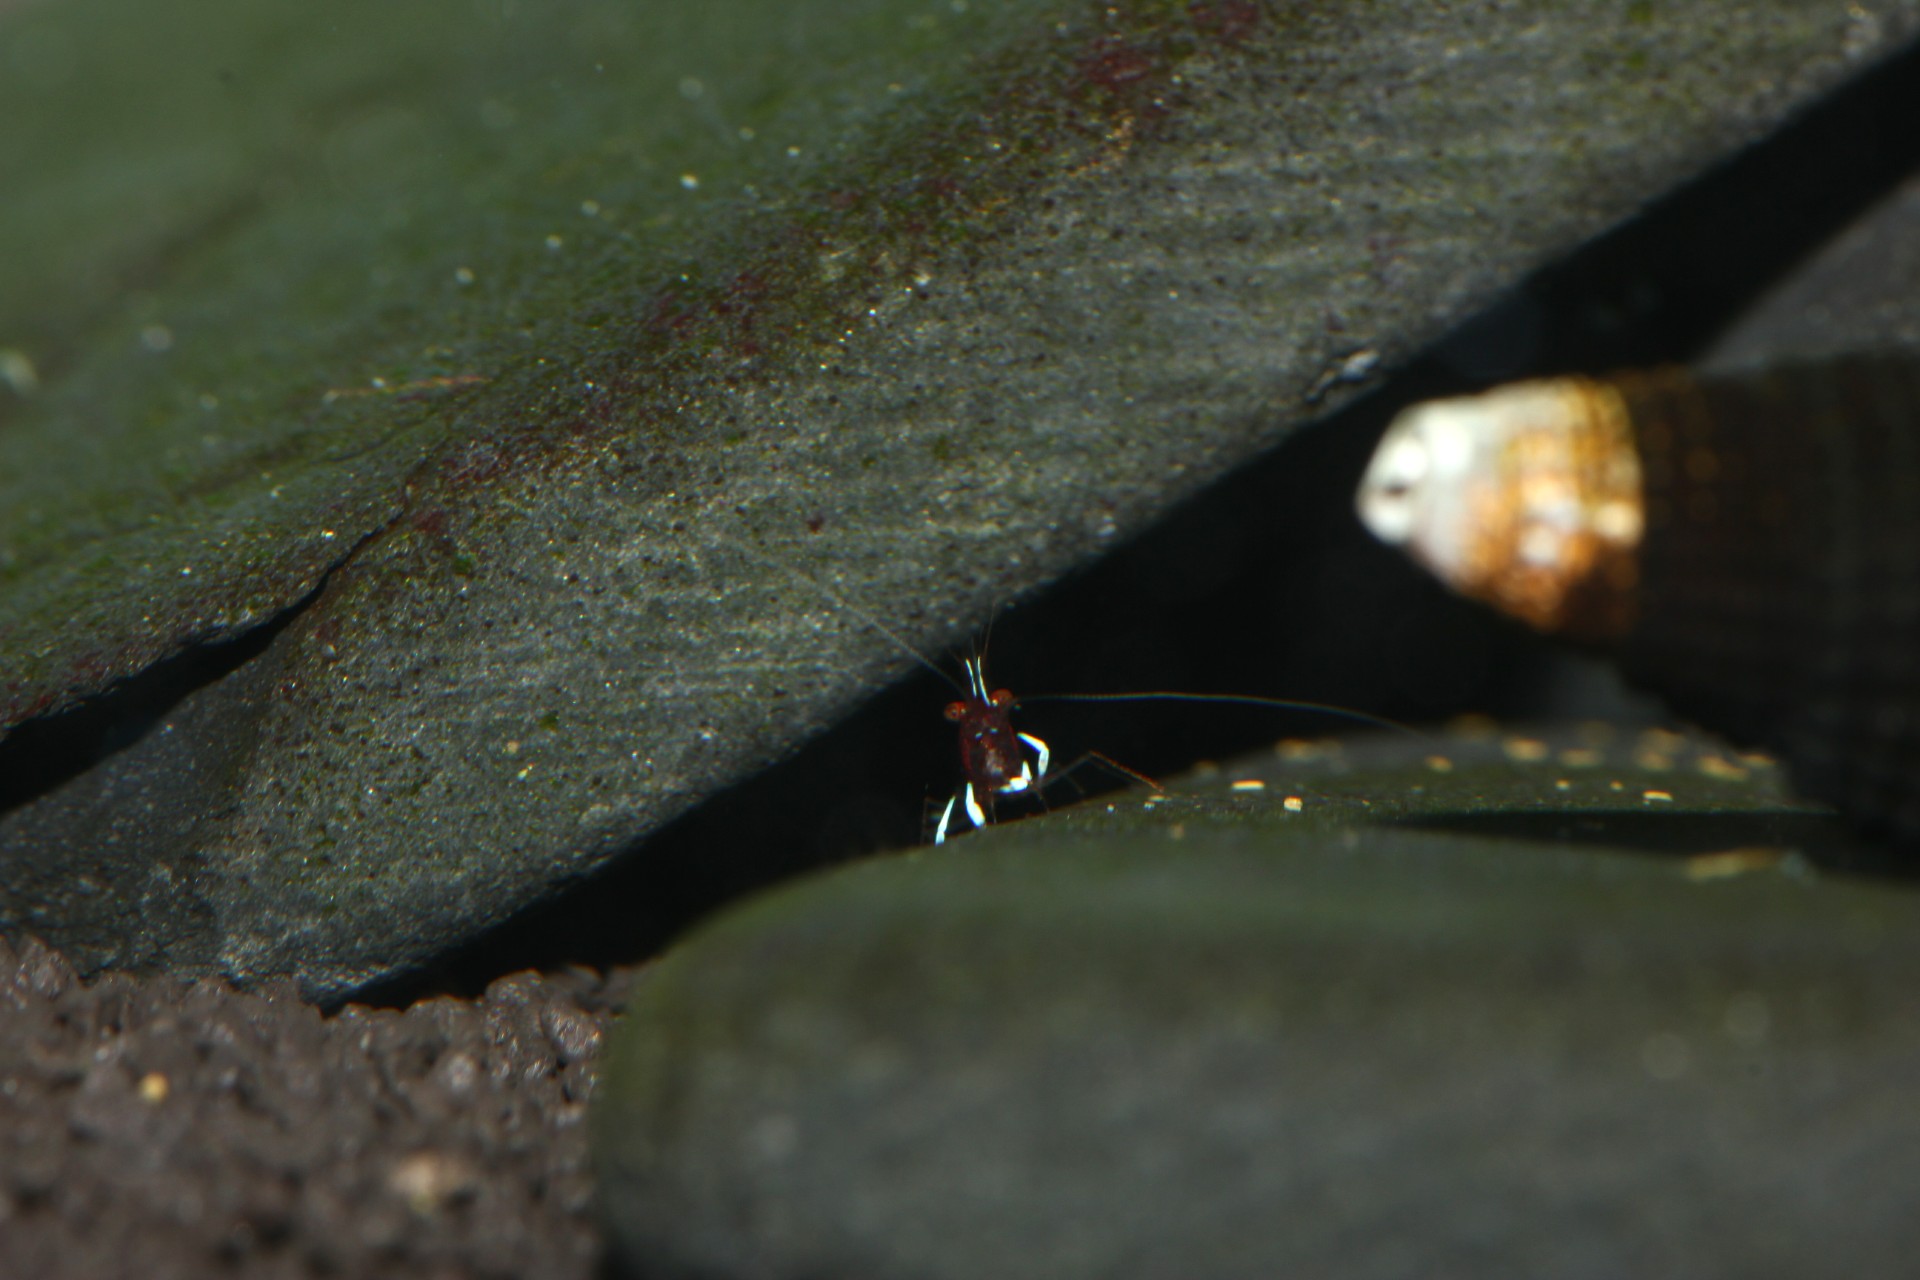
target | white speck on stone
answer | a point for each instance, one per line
(17, 371)
(429, 1181)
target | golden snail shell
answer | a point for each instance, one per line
(1747, 545)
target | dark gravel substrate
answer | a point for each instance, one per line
(157, 1128)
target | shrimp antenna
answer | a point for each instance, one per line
(854, 609)
(1232, 699)
(894, 636)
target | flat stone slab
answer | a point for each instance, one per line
(1537, 1005)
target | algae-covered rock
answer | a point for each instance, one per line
(1535, 1006)
(550, 372)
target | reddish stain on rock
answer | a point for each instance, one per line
(1114, 64)
(1230, 21)
(745, 291)
(669, 315)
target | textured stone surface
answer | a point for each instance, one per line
(1036, 272)
(1454, 1022)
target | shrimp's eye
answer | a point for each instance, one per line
(956, 711)
(1002, 698)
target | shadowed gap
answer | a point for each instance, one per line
(40, 756)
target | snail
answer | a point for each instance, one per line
(1744, 544)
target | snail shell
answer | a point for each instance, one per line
(1747, 545)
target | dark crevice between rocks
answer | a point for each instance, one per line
(1264, 583)
(40, 756)
(1821, 840)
